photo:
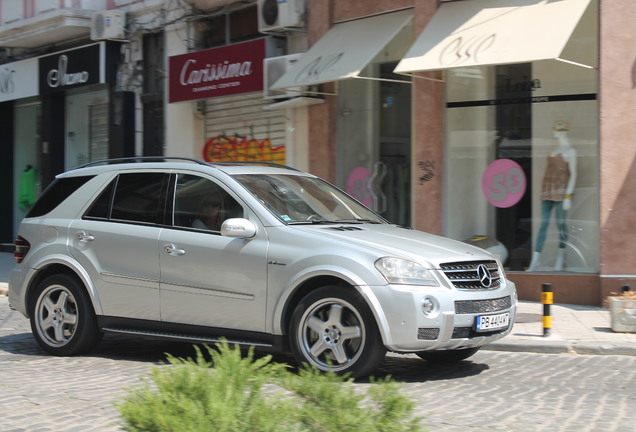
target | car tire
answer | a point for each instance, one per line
(333, 329)
(62, 318)
(447, 356)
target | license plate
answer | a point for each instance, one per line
(492, 322)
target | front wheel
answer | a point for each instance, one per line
(62, 318)
(333, 329)
(447, 356)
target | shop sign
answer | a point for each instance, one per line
(18, 80)
(503, 183)
(70, 69)
(223, 71)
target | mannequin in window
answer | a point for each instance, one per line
(556, 193)
(211, 214)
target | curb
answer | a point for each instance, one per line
(562, 347)
(545, 347)
(603, 348)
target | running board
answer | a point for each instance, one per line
(184, 337)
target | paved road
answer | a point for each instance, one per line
(494, 391)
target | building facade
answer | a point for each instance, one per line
(518, 115)
(503, 125)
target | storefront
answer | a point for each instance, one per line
(373, 138)
(59, 111)
(521, 128)
(21, 165)
(517, 137)
(225, 87)
(84, 118)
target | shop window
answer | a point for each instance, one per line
(522, 175)
(522, 155)
(374, 134)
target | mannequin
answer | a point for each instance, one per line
(557, 188)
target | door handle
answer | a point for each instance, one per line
(173, 250)
(84, 237)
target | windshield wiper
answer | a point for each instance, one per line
(357, 221)
(333, 222)
(311, 222)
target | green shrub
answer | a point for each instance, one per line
(236, 393)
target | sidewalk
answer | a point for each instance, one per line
(575, 329)
(6, 264)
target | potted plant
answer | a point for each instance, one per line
(623, 310)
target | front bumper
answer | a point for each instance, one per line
(404, 327)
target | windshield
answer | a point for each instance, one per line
(305, 200)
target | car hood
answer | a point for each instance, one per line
(393, 240)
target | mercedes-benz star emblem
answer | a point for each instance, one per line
(484, 276)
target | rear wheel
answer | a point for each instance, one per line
(333, 329)
(62, 318)
(447, 356)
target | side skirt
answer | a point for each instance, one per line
(190, 333)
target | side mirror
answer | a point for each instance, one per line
(238, 228)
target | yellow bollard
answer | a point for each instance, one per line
(547, 300)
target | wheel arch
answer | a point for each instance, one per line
(56, 267)
(286, 308)
(301, 290)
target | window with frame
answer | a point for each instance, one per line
(134, 197)
(56, 193)
(202, 204)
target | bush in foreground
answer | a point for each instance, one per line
(236, 393)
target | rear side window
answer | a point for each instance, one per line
(136, 197)
(56, 193)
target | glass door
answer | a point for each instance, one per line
(27, 164)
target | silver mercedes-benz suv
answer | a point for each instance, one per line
(260, 255)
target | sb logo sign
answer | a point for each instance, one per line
(503, 183)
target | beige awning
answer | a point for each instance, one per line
(344, 51)
(492, 32)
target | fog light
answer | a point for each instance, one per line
(428, 305)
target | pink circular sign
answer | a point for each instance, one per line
(358, 185)
(503, 183)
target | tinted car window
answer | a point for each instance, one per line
(138, 197)
(202, 204)
(135, 197)
(100, 209)
(56, 193)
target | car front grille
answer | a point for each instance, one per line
(482, 306)
(470, 275)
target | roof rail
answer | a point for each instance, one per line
(179, 158)
(143, 159)
(264, 163)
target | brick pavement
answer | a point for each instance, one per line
(497, 391)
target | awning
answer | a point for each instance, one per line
(344, 51)
(492, 32)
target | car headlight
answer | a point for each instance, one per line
(401, 271)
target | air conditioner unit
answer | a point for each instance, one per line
(108, 25)
(273, 69)
(275, 16)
